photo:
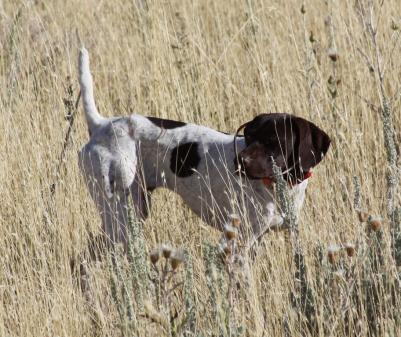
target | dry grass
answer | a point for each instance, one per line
(218, 63)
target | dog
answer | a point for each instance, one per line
(216, 174)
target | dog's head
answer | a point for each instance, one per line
(293, 143)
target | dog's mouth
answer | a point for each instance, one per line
(241, 170)
(267, 180)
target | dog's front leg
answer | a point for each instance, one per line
(270, 221)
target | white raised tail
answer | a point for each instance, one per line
(92, 115)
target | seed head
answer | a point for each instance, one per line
(230, 232)
(166, 250)
(235, 220)
(333, 54)
(375, 222)
(155, 255)
(327, 21)
(332, 253)
(350, 249)
(394, 25)
(312, 37)
(176, 259)
(371, 69)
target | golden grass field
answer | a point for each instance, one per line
(216, 63)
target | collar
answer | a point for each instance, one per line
(268, 182)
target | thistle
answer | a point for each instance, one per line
(230, 232)
(166, 250)
(332, 253)
(375, 222)
(333, 54)
(176, 259)
(350, 249)
(155, 255)
(235, 220)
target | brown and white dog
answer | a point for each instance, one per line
(134, 155)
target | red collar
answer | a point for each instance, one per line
(269, 181)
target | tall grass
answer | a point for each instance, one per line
(218, 63)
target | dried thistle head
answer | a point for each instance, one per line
(362, 216)
(176, 259)
(235, 220)
(312, 37)
(375, 222)
(332, 253)
(333, 54)
(166, 250)
(350, 249)
(230, 232)
(394, 26)
(155, 255)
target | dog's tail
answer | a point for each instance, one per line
(92, 115)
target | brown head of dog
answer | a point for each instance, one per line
(293, 143)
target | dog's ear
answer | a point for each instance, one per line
(312, 144)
